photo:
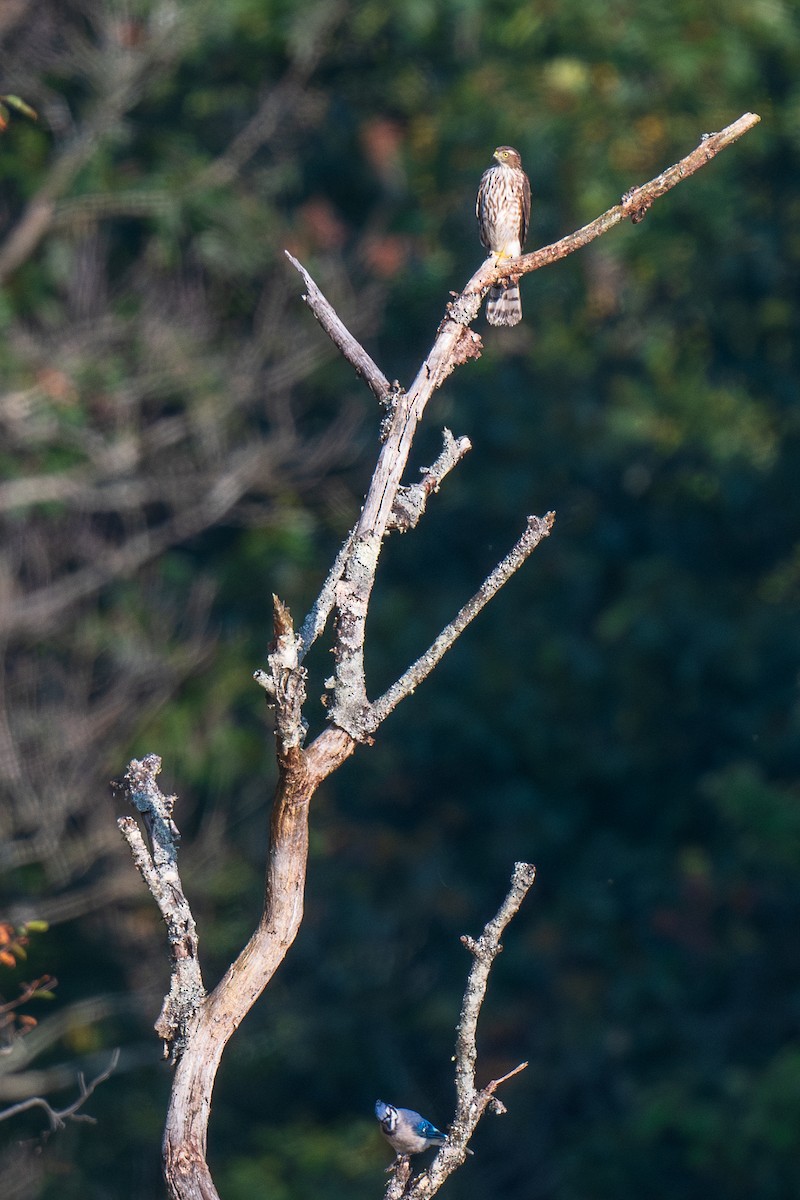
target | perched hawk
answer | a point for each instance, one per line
(503, 209)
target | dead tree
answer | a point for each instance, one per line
(194, 1025)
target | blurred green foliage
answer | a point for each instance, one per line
(626, 712)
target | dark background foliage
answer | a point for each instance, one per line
(625, 715)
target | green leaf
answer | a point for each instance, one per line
(21, 107)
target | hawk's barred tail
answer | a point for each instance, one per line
(504, 306)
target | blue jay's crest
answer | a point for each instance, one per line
(405, 1130)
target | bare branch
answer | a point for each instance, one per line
(58, 1117)
(39, 608)
(484, 951)
(635, 204)
(26, 991)
(537, 529)
(18, 1080)
(287, 95)
(341, 336)
(185, 1135)
(160, 872)
(410, 502)
(381, 507)
(122, 89)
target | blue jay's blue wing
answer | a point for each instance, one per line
(426, 1130)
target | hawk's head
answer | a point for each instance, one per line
(507, 156)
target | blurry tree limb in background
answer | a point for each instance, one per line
(23, 1039)
(17, 1166)
(70, 1112)
(139, 410)
(194, 1026)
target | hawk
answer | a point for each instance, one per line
(503, 209)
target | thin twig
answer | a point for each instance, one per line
(47, 982)
(41, 607)
(484, 952)
(123, 88)
(495, 1084)
(58, 1117)
(285, 97)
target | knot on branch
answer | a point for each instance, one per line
(541, 527)
(354, 717)
(635, 205)
(464, 307)
(468, 345)
(408, 507)
(176, 1021)
(484, 949)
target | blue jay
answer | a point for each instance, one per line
(405, 1130)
